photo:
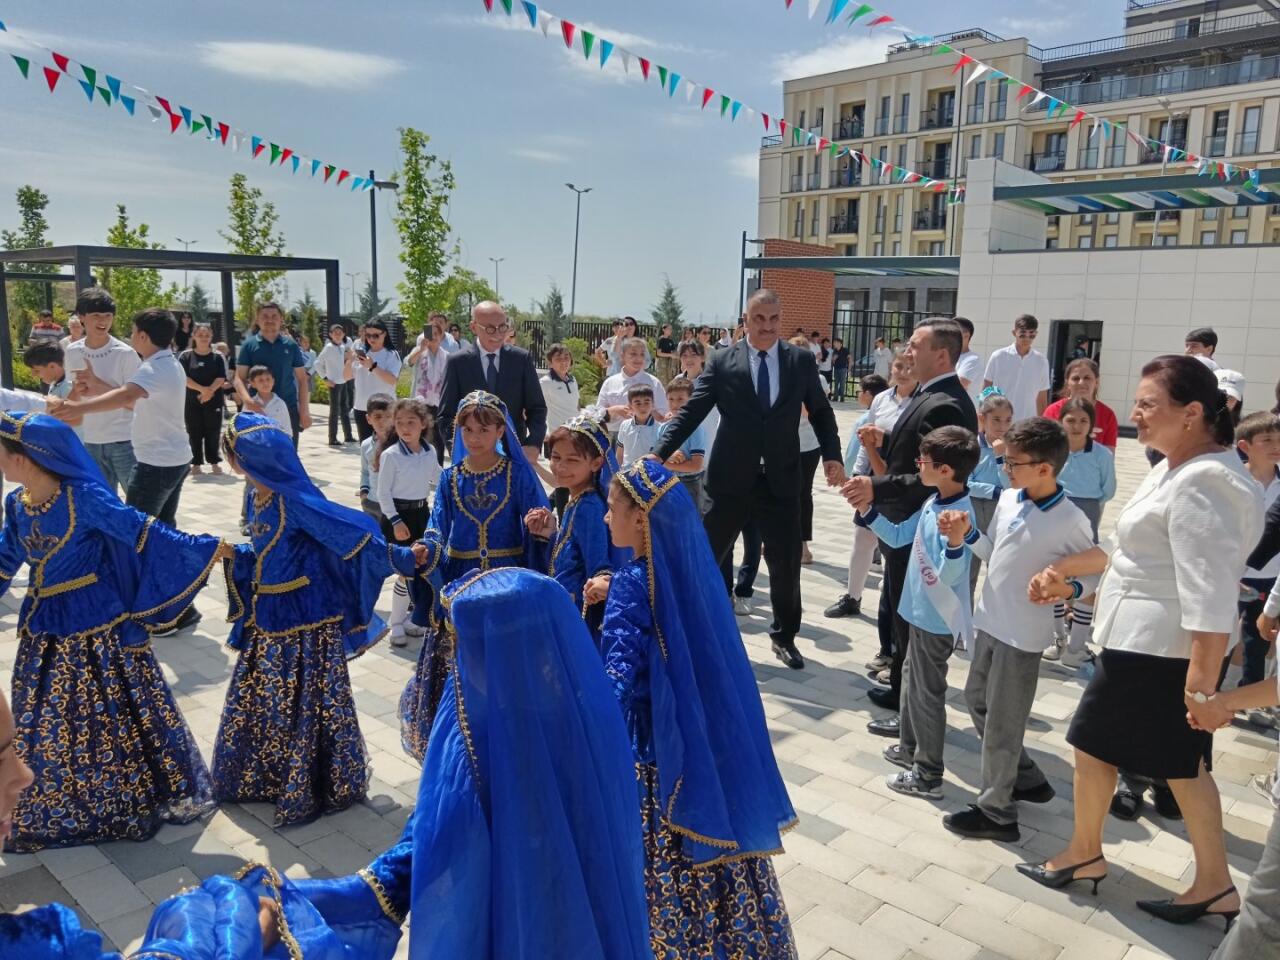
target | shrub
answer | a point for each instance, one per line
(585, 369)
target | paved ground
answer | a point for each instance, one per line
(867, 874)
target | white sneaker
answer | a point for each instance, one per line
(742, 606)
(1054, 653)
(398, 638)
(411, 629)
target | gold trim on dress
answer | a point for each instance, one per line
(693, 834)
(566, 531)
(289, 586)
(483, 553)
(358, 547)
(192, 588)
(66, 586)
(143, 534)
(380, 892)
(271, 880)
(37, 575)
(44, 506)
(233, 595)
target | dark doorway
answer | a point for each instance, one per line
(1069, 339)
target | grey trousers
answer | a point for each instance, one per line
(999, 692)
(1256, 933)
(923, 718)
(984, 510)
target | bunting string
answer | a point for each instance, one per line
(113, 92)
(669, 81)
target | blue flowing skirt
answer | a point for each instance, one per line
(289, 733)
(421, 697)
(731, 909)
(112, 756)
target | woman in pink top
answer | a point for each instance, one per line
(1081, 381)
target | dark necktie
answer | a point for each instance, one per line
(491, 375)
(762, 381)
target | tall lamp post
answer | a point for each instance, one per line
(577, 225)
(497, 288)
(186, 246)
(373, 227)
(352, 278)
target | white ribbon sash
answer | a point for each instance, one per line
(958, 615)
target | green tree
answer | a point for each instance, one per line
(371, 305)
(134, 288)
(668, 309)
(554, 320)
(198, 302)
(251, 230)
(459, 292)
(307, 314)
(27, 298)
(426, 184)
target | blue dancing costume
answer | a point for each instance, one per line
(301, 595)
(96, 721)
(712, 801)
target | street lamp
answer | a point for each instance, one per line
(352, 278)
(186, 246)
(496, 288)
(577, 224)
(373, 227)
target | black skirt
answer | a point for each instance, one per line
(415, 514)
(1133, 716)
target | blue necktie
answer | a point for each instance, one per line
(762, 381)
(491, 375)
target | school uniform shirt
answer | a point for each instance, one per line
(1106, 428)
(276, 409)
(694, 443)
(1089, 474)
(987, 480)
(159, 432)
(405, 475)
(915, 606)
(886, 408)
(62, 390)
(637, 439)
(969, 367)
(330, 365)
(114, 363)
(368, 472)
(882, 358)
(809, 439)
(1025, 537)
(562, 399)
(613, 392)
(853, 449)
(1270, 493)
(1021, 378)
(367, 382)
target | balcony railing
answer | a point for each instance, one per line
(849, 129)
(999, 110)
(815, 180)
(1247, 142)
(1047, 162)
(1148, 38)
(1156, 154)
(843, 224)
(1149, 216)
(936, 117)
(1163, 84)
(770, 141)
(849, 177)
(930, 220)
(900, 123)
(1095, 158)
(1215, 145)
(816, 129)
(974, 114)
(882, 126)
(936, 167)
(797, 182)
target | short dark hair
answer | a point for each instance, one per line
(1026, 321)
(691, 346)
(269, 305)
(256, 371)
(1205, 336)
(378, 403)
(945, 335)
(1043, 440)
(556, 349)
(158, 324)
(965, 324)
(38, 354)
(1186, 380)
(95, 300)
(953, 447)
(873, 384)
(1079, 405)
(815, 334)
(44, 313)
(638, 391)
(678, 382)
(1254, 425)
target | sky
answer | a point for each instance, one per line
(673, 186)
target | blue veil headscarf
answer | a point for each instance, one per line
(718, 779)
(508, 446)
(265, 452)
(590, 424)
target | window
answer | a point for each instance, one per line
(1113, 218)
(975, 146)
(935, 248)
(1086, 218)
(1247, 138)
(980, 95)
(1165, 240)
(1111, 240)
(998, 104)
(818, 118)
(1051, 243)
(802, 123)
(997, 142)
(1239, 212)
(897, 215)
(904, 105)
(877, 249)
(1208, 238)
(885, 106)
(1239, 237)
(1211, 213)
(1085, 243)
(897, 247)
(902, 154)
(797, 228)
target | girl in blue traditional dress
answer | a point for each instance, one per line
(98, 725)
(712, 800)
(477, 523)
(301, 595)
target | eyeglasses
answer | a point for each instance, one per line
(491, 328)
(1010, 465)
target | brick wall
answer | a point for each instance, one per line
(808, 296)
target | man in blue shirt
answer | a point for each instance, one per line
(271, 348)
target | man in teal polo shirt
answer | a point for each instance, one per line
(271, 348)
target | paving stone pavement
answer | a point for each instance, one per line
(868, 874)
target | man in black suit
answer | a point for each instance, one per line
(940, 401)
(490, 364)
(759, 385)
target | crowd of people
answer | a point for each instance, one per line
(635, 714)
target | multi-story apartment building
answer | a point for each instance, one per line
(1203, 75)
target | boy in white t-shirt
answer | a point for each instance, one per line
(615, 389)
(264, 384)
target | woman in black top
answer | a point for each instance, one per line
(667, 364)
(182, 336)
(206, 376)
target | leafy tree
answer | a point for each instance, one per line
(134, 288)
(370, 306)
(668, 309)
(27, 298)
(426, 184)
(307, 314)
(198, 302)
(251, 230)
(553, 316)
(459, 292)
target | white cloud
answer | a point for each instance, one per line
(540, 156)
(745, 165)
(635, 42)
(298, 63)
(1042, 27)
(842, 54)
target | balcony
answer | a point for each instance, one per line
(930, 220)
(882, 126)
(1164, 84)
(937, 117)
(843, 224)
(1149, 38)
(815, 180)
(816, 129)
(848, 177)
(937, 167)
(900, 124)
(1247, 142)
(1149, 216)
(1215, 145)
(1156, 154)
(1047, 162)
(1096, 158)
(771, 141)
(797, 182)
(849, 129)
(974, 114)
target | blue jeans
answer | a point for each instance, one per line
(115, 460)
(155, 490)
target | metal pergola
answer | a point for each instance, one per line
(82, 260)
(1157, 193)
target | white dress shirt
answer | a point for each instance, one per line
(771, 359)
(884, 412)
(1021, 378)
(969, 367)
(330, 365)
(562, 400)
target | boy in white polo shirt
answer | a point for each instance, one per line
(1021, 373)
(1034, 526)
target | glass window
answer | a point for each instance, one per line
(1208, 238)
(902, 154)
(1239, 212)
(935, 248)
(802, 124)
(997, 141)
(1111, 240)
(905, 105)
(1051, 243)
(1113, 218)
(1085, 243)
(975, 146)
(877, 249)
(1211, 213)
(884, 106)
(1239, 237)
(897, 247)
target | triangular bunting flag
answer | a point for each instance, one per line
(23, 64)
(175, 121)
(733, 111)
(223, 130)
(343, 174)
(545, 20)
(588, 42)
(1078, 117)
(87, 87)
(782, 127)
(566, 30)
(626, 61)
(328, 171)
(963, 62)
(862, 11)
(186, 115)
(275, 155)
(837, 7)
(296, 160)
(707, 94)
(285, 154)
(105, 94)
(724, 105)
(315, 165)
(196, 126)
(662, 77)
(155, 112)
(878, 21)
(128, 102)
(506, 5)
(813, 7)
(1040, 95)
(488, 5)
(606, 49)
(644, 67)
(675, 84)
(208, 125)
(256, 146)
(834, 150)
(765, 118)
(1026, 90)
(978, 71)
(356, 183)
(943, 48)
(90, 74)
(689, 88)
(531, 11)
(60, 60)
(823, 143)
(113, 85)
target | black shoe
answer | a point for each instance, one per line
(1057, 879)
(189, 618)
(885, 727)
(786, 652)
(334, 443)
(846, 606)
(1165, 802)
(1126, 805)
(974, 823)
(883, 697)
(350, 439)
(1041, 794)
(1171, 912)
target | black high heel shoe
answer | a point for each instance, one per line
(1057, 879)
(1171, 912)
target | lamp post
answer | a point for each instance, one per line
(577, 225)
(186, 246)
(373, 227)
(352, 278)
(497, 289)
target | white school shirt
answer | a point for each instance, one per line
(159, 433)
(1023, 539)
(331, 363)
(883, 358)
(405, 475)
(969, 367)
(1021, 378)
(884, 412)
(1177, 556)
(1270, 494)
(562, 400)
(114, 363)
(613, 393)
(277, 410)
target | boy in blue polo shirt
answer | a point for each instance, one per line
(935, 603)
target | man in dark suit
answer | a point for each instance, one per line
(940, 401)
(506, 371)
(759, 385)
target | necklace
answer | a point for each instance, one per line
(41, 506)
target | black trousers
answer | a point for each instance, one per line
(745, 584)
(775, 517)
(204, 430)
(436, 435)
(809, 461)
(895, 578)
(340, 409)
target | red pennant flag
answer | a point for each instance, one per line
(328, 171)
(782, 127)
(644, 67)
(164, 103)
(61, 61)
(1079, 116)
(707, 94)
(175, 121)
(963, 62)
(258, 150)
(823, 143)
(51, 77)
(1025, 91)
(223, 131)
(567, 28)
(765, 118)
(343, 174)
(285, 155)
(883, 18)
(789, 4)
(1192, 158)
(488, 5)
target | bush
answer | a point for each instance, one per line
(24, 379)
(586, 370)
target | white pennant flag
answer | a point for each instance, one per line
(813, 7)
(155, 112)
(1096, 127)
(749, 112)
(1040, 95)
(689, 87)
(626, 61)
(544, 21)
(978, 70)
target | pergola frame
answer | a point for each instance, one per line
(82, 260)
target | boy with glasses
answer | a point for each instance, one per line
(1021, 373)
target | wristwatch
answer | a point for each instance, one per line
(1197, 697)
(373, 366)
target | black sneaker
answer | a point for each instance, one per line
(846, 606)
(190, 617)
(897, 756)
(974, 823)
(906, 782)
(1041, 794)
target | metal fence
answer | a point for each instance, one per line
(859, 329)
(594, 332)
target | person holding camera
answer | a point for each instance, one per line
(427, 360)
(375, 368)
